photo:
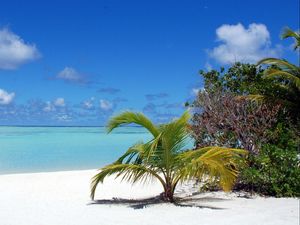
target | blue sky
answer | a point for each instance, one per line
(79, 62)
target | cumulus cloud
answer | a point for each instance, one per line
(88, 104)
(195, 91)
(48, 107)
(40, 112)
(14, 51)
(5, 97)
(240, 44)
(105, 105)
(208, 66)
(52, 106)
(69, 74)
(60, 102)
(64, 118)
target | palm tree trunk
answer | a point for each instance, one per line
(168, 195)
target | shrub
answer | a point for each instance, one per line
(223, 119)
(275, 170)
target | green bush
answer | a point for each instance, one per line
(275, 170)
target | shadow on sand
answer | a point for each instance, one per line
(197, 202)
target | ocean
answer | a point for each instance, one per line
(43, 149)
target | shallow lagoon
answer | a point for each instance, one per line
(40, 149)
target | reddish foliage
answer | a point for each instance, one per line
(226, 120)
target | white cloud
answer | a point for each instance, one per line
(208, 66)
(195, 91)
(89, 104)
(49, 107)
(5, 97)
(70, 74)
(14, 51)
(64, 118)
(239, 44)
(105, 105)
(60, 102)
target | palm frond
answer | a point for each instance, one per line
(215, 162)
(130, 117)
(175, 133)
(135, 152)
(275, 73)
(164, 158)
(278, 62)
(257, 98)
(288, 32)
(173, 139)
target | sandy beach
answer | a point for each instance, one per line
(62, 198)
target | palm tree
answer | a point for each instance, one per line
(164, 157)
(285, 77)
(288, 32)
(286, 73)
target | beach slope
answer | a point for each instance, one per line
(62, 198)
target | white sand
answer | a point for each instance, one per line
(62, 198)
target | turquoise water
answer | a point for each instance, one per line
(39, 149)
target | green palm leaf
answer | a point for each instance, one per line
(130, 117)
(214, 162)
(165, 158)
(278, 62)
(288, 32)
(286, 75)
(275, 73)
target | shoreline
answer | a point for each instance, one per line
(49, 171)
(62, 197)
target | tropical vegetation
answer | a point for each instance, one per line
(285, 74)
(246, 106)
(165, 158)
(256, 108)
(275, 170)
(289, 33)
